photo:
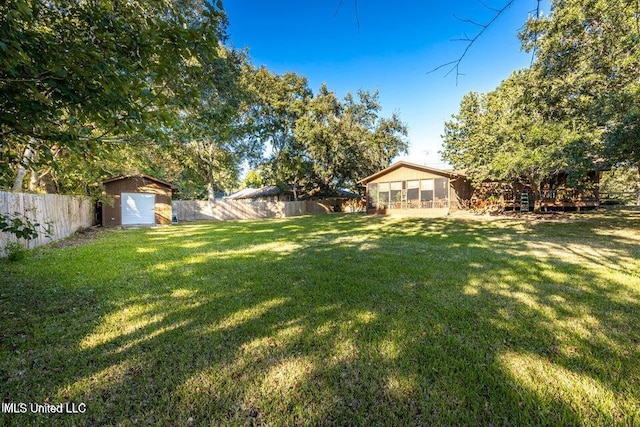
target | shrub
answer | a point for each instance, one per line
(15, 251)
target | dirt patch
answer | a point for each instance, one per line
(80, 237)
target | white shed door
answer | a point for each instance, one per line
(138, 208)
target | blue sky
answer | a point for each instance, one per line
(392, 49)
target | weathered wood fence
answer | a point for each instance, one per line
(60, 215)
(221, 210)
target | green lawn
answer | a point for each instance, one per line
(335, 319)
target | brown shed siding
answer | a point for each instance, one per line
(112, 214)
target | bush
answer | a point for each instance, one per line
(15, 251)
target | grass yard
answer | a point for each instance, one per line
(331, 320)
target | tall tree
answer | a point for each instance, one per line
(577, 104)
(80, 75)
(588, 69)
(214, 130)
(506, 135)
(278, 102)
(348, 140)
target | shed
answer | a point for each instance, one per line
(410, 189)
(137, 200)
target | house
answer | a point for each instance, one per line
(411, 189)
(269, 193)
(555, 193)
(137, 200)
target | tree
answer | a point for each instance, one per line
(253, 180)
(317, 144)
(278, 102)
(576, 105)
(588, 59)
(214, 130)
(81, 76)
(346, 140)
(505, 135)
(622, 183)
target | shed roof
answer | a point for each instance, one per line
(398, 165)
(140, 175)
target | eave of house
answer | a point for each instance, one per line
(448, 173)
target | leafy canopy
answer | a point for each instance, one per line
(576, 105)
(81, 74)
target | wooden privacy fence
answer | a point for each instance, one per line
(60, 215)
(221, 210)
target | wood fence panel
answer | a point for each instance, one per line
(222, 210)
(62, 215)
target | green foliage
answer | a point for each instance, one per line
(278, 102)
(621, 185)
(586, 71)
(253, 180)
(91, 90)
(346, 140)
(620, 179)
(575, 106)
(14, 251)
(320, 143)
(80, 78)
(21, 226)
(503, 135)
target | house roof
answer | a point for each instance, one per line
(140, 175)
(398, 165)
(272, 190)
(254, 193)
(343, 192)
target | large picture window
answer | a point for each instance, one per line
(383, 194)
(426, 193)
(372, 195)
(396, 194)
(441, 192)
(413, 194)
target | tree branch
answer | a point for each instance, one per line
(535, 39)
(355, 5)
(455, 64)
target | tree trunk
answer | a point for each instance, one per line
(638, 191)
(22, 167)
(211, 192)
(535, 201)
(34, 179)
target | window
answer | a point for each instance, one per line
(383, 194)
(426, 193)
(413, 194)
(442, 188)
(396, 194)
(372, 196)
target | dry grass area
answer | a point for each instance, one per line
(331, 320)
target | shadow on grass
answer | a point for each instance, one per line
(332, 320)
